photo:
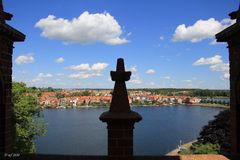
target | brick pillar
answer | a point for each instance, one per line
(6, 72)
(8, 36)
(120, 119)
(1, 113)
(234, 57)
(231, 35)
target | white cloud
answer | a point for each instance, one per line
(151, 83)
(87, 28)
(59, 60)
(225, 76)
(136, 81)
(208, 61)
(60, 74)
(222, 67)
(133, 69)
(135, 78)
(161, 38)
(41, 76)
(99, 66)
(87, 72)
(151, 71)
(202, 29)
(216, 65)
(23, 59)
(187, 81)
(84, 75)
(81, 67)
(167, 77)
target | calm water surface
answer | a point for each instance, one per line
(80, 132)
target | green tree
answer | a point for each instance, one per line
(86, 93)
(217, 131)
(27, 121)
(60, 95)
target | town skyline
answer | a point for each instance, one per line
(164, 44)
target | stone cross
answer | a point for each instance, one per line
(119, 101)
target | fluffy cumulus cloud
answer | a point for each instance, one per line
(81, 67)
(85, 29)
(83, 75)
(41, 77)
(98, 67)
(151, 71)
(216, 65)
(135, 78)
(133, 69)
(202, 29)
(217, 59)
(23, 59)
(59, 60)
(87, 71)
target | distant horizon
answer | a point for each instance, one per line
(127, 88)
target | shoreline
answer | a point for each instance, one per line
(207, 105)
(185, 145)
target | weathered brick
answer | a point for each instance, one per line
(115, 151)
(112, 142)
(115, 133)
(125, 142)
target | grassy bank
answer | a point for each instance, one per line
(210, 105)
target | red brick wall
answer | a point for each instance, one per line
(6, 46)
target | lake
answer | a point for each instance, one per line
(80, 132)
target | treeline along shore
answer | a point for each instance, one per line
(80, 98)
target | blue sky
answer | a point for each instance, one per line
(75, 44)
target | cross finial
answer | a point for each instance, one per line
(120, 74)
(235, 15)
(120, 65)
